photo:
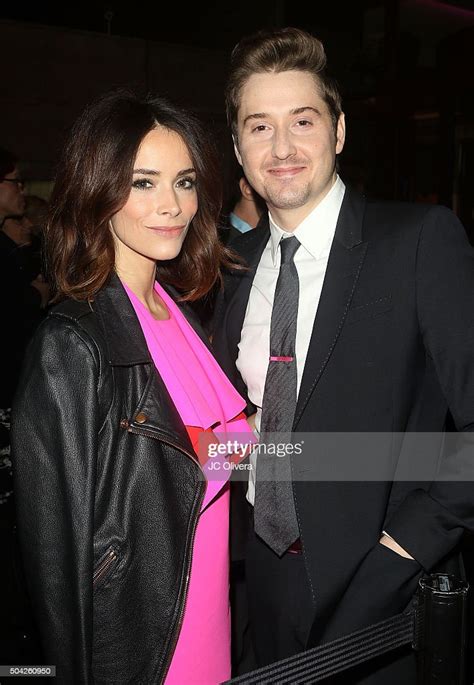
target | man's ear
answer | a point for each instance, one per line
(236, 149)
(340, 133)
(245, 188)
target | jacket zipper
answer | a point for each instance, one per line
(188, 560)
(103, 568)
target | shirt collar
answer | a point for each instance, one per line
(316, 231)
(239, 223)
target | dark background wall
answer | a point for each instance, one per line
(404, 66)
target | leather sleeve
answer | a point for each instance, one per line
(429, 523)
(55, 426)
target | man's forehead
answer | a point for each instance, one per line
(279, 93)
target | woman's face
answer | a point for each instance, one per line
(153, 223)
(12, 199)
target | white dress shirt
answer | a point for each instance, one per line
(315, 233)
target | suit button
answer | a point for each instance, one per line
(124, 424)
(141, 417)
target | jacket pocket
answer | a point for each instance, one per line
(370, 309)
(105, 566)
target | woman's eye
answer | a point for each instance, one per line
(142, 184)
(186, 183)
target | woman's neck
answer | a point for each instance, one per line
(141, 282)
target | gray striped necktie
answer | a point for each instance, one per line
(274, 513)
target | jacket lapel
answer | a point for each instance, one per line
(343, 269)
(250, 247)
(124, 337)
(127, 347)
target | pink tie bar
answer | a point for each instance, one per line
(281, 359)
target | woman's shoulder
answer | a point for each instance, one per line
(72, 319)
(73, 310)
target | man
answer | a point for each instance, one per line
(24, 296)
(246, 210)
(12, 199)
(353, 319)
(26, 293)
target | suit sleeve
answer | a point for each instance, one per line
(429, 524)
(54, 449)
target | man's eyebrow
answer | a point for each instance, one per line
(300, 110)
(257, 115)
(297, 110)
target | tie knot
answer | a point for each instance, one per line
(288, 247)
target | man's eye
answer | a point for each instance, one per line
(304, 122)
(142, 184)
(259, 128)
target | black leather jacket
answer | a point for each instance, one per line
(108, 492)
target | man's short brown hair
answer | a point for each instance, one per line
(278, 50)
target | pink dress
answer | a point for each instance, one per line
(204, 398)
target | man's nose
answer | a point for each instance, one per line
(283, 145)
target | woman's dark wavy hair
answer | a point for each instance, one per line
(93, 182)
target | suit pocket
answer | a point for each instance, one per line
(370, 310)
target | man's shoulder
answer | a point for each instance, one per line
(399, 209)
(383, 218)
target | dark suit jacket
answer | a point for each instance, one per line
(392, 351)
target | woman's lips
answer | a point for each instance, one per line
(168, 231)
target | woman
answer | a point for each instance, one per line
(124, 540)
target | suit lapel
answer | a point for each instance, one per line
(251, 250)
(344, 265)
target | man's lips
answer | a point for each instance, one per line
(168, 231)
(280, 172)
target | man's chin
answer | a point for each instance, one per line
(287, 200)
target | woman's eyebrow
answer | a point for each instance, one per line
(191, 170)
(154, 172)
(147, 172)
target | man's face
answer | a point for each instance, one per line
(12, 199)
(287, 144)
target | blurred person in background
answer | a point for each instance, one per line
(25, 295)
(27, 292)
(36, 210)
(12, 199)
(245, 210)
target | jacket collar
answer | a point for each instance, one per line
(123, 334)
(348, 229)
(350, 222)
